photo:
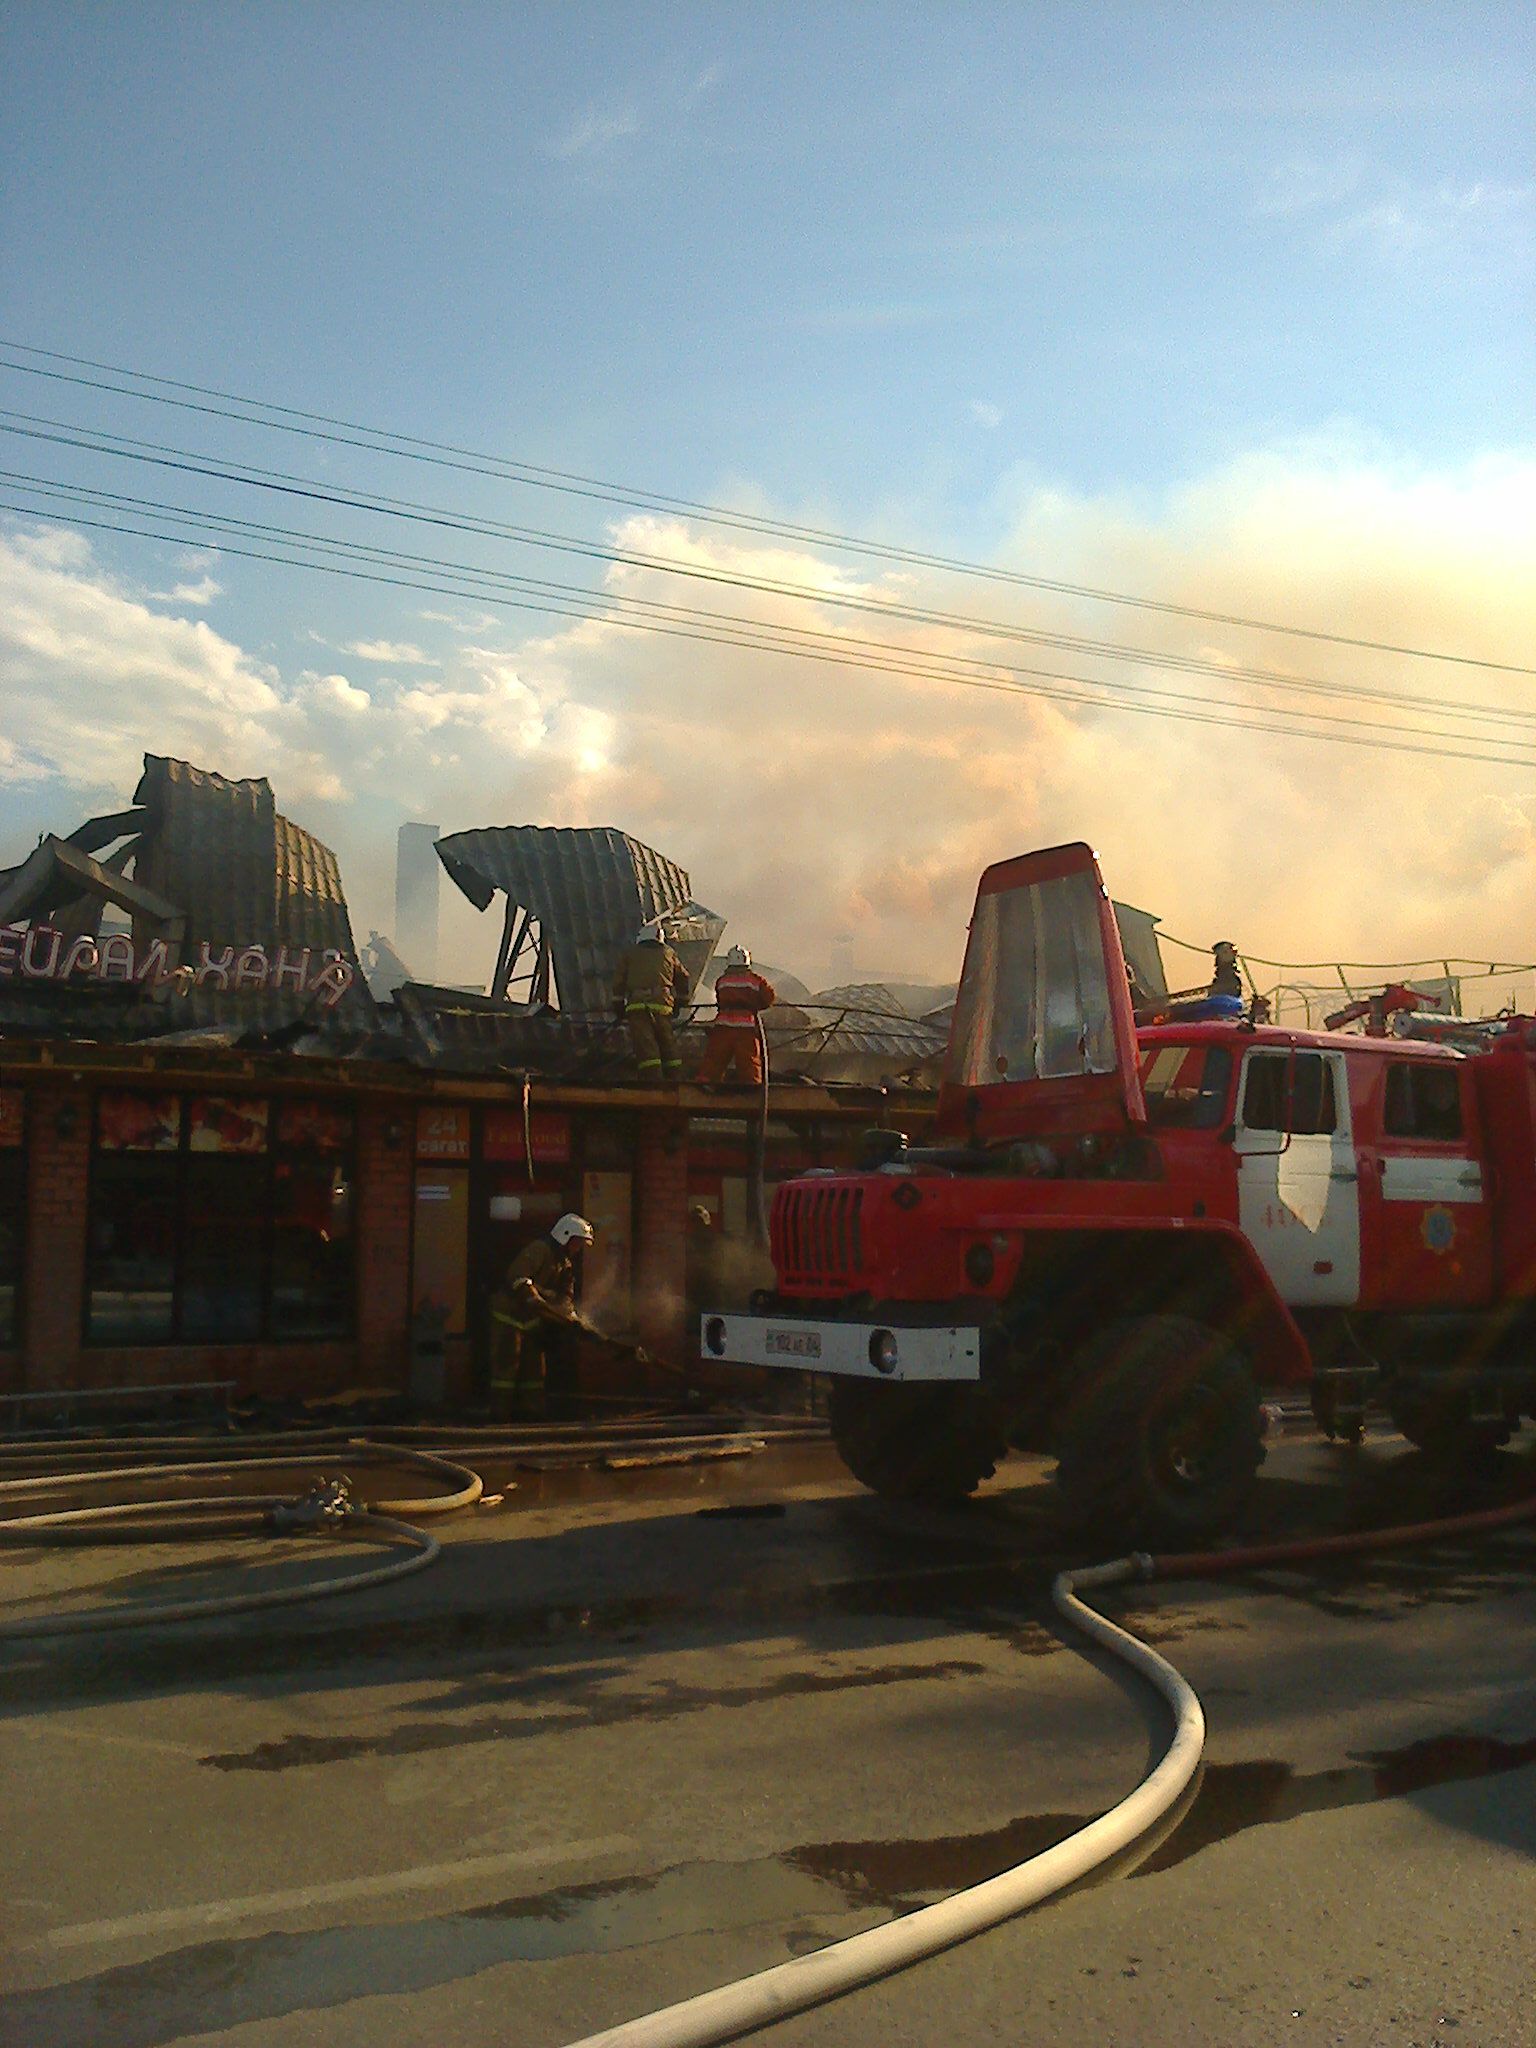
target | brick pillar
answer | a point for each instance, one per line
(58, 1162)
(384, 1175)
(661, 1235)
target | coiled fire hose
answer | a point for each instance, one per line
(328, 1507)
(773, 1994)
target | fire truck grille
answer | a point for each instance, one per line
(816, 1231)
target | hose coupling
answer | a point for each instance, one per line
(326, 1507)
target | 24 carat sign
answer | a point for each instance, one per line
(442, 1134)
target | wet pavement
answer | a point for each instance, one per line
(639, 1732)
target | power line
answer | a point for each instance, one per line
(446, 454)
(162, 455)
(766, 636)
(752, 635)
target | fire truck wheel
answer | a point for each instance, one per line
(1162, 1433)
(1443, 1429)
(933, 1444)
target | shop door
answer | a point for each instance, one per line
(1298, 1181)
(440, 1245)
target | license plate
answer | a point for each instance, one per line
(794, 1343)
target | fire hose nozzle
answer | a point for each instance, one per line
(327, 1505)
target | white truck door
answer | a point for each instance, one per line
(1298, 1181)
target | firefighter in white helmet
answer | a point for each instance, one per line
(735, 1043)
(534, 1319)
(650, 986)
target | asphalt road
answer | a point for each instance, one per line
(635, 1735)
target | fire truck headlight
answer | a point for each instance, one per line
(714, 1336)
(882, 1350)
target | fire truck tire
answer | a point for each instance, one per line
(928, 1444)
(1162, 1434)
(1444, 1429)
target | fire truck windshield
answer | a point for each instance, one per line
(1186, 1086)
(1033, 1003)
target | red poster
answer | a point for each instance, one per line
(13, 1121)
(138, 1123)
(316, 1126)
(548, 1136)
(442, 1134)
(224, 1123)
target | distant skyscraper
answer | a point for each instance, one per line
(416, 875)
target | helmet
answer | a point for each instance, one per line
(738, 956)
(572, 1229)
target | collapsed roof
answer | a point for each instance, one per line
(209, 868)
(575, 898)
(862, 1032)
(243, 874)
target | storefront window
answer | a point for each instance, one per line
(132, 1270)
(311, 1246)
(13, 1203)
(223, 1250)
(219, 1220)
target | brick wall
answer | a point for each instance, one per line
(58, 1161)
(661, 1235)
(385, 1166)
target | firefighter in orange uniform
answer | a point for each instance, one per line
(734, 1046)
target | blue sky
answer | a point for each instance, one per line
(796, 244)
(916, 270)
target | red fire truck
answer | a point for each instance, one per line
(1117, 1238)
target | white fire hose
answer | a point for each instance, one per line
(790, 1987)
(773, 1994)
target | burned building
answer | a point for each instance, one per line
(221, 1159)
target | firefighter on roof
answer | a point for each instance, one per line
(533, 1318)
(649, 988)
(735, 1043)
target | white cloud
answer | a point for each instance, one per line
(595, 132)
(202, 592)
(92, 676)
(396, 653)
(1392, 217)
(461, 622)
(1305, 186)
(335, 693)
(1439, 217)
(807, 798)
(985, 414)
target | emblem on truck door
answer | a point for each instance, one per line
(1438, 1229)
(794, 1343)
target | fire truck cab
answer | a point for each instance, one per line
(1119, 1236)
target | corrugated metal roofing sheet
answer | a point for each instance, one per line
(243, 873)
(590, 887)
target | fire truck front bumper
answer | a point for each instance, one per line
(865, 1351)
